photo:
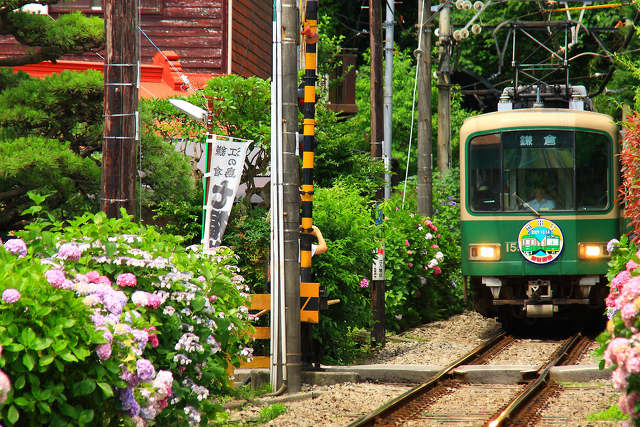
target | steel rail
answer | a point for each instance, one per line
(370, 419)
(534, 387)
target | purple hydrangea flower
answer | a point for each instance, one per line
(129, 403)
(611, 245)
(114, 301)
(103, 351)
(55, 278)
(364, 283)
(130, 378)
(16, 247)
(10, 295)
(69, 251)
(126, 279)
(145, 370)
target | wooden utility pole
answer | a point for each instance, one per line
(425, 131)
(377, 136)
(291, 194)
(119, 145)
(444, 89)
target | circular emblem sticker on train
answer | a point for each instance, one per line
(540, 241)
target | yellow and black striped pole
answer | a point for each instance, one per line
(309, 110)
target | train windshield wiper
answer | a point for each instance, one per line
(525, 204)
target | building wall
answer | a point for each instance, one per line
(252, 37)
(196, 30)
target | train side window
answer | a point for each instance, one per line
(592, 171)
(484, 173)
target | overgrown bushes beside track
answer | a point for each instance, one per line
(104, 322)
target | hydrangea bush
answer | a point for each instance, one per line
(620, 343)
(168, 321)
(49, 343)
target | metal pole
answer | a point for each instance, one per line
(444, 90)
(309, 124)
(375, 34)
(278, 331)
(291, 214)
(121, 71)
(388, 96)
(425, 131)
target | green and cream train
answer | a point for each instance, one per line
(537, 189)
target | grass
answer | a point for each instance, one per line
(270, 412)
(613, 413)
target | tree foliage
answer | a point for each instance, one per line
(46, 39)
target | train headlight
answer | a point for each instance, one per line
(484, 252)
(594, 250)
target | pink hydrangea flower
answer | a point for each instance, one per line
(69, 251)
(410, 264)
(619, 379)
(126, 279)
(621, 278)
(140, 298)
(437, 270)
(93, 276)
(631, 265)
(104, 280)
(10, 295)
(364, 283)
(55, 278)
(406, 243)
(154, 301)
(103, 351)
(16, 247)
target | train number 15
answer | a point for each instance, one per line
(511, 246)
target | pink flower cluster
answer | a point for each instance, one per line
(126, 279)
(146, 299)
(624, 354)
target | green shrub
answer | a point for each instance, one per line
(49, 342)
(423, 256)
(184, 311)
(345, 220)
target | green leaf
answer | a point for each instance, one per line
(27, 337)
(13, 415)
(69, 410)
(41, 344)
(27, 361)
(198, 303)
(46, 360)
(20, 382)
(68, 357)
(15, 347)
(86, 416)
(84, 387)
(21, 401)
(106, 389)
(45, 407)
(69, 323)
(81, 352)
(110, 249)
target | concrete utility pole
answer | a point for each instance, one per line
(425, 131)
(291, 195)
(375, 36)
(120, 136)
(444, 89)
(388, 95)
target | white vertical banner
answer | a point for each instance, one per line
(225, 171)
(377, 269)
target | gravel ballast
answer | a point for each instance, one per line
(439, 343)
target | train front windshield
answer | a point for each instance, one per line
(541, 170)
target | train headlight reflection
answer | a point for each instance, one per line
(592, 250)
(484, 252)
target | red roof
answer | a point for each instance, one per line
(160, 79)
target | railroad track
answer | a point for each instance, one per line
(412, 405)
